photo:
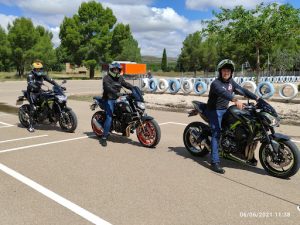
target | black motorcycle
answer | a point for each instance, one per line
(129, 115)
(241, 132)
(50, 108)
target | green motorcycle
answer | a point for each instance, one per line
(241, 132)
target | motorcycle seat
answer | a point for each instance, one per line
(201, 107)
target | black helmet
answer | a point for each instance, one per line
(114, 66)
(225, 63)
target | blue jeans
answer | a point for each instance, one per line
(215, 120)
(109, 110)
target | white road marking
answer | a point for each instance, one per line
(42, 144)
(6, 125)
(55, 197)
(184, 124)
(25, 138)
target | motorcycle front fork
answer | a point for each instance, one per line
(274, 145)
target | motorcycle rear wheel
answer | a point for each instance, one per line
(100, 117)
(23, 114)
(192, 145)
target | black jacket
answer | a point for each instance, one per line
(34, 82)
(221, 93)
(110, 91)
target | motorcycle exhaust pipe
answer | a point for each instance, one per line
(195, 133)
(199, 138)
(97, 124)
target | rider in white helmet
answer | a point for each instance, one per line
(220, 94)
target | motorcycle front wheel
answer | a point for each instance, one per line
(68, 121)
(148, 133)
(286, 164)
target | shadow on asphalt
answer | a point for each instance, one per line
(43, 127)
(181, 151)
(115, 138)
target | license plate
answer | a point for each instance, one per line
(19, 102)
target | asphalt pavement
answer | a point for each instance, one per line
(53, 177)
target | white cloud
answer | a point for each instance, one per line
(55, 39)
(5, 20)
(129, 2)
(144, 18)
(153, 28)
(207, 4)
(63, 7)
(45, 7)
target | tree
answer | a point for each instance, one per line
(86, 36)
(256, 29)
(43, 49)
(209, 53)
(190, 57)
(164, 61)
(5, 51)
(123, 45)
(22, 37)
(130, 51)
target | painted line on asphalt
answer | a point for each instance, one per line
(43, 144)
(25, 138)
(55, 197)
(184, 124)
(6, 125)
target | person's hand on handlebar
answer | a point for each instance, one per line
(238, 104)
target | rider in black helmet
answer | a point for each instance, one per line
(111, 91)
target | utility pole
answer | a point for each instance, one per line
(268, 64)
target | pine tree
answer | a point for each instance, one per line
(164, 62)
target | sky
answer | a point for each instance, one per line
(155, 24)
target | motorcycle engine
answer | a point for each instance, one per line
(117, 126)
(42, 114)
(233, 141)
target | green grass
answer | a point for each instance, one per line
(12, 76)
(180, 74)
(85, 98)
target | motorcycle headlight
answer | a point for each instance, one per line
(61, 98)
(271, 120)
(141, 105)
